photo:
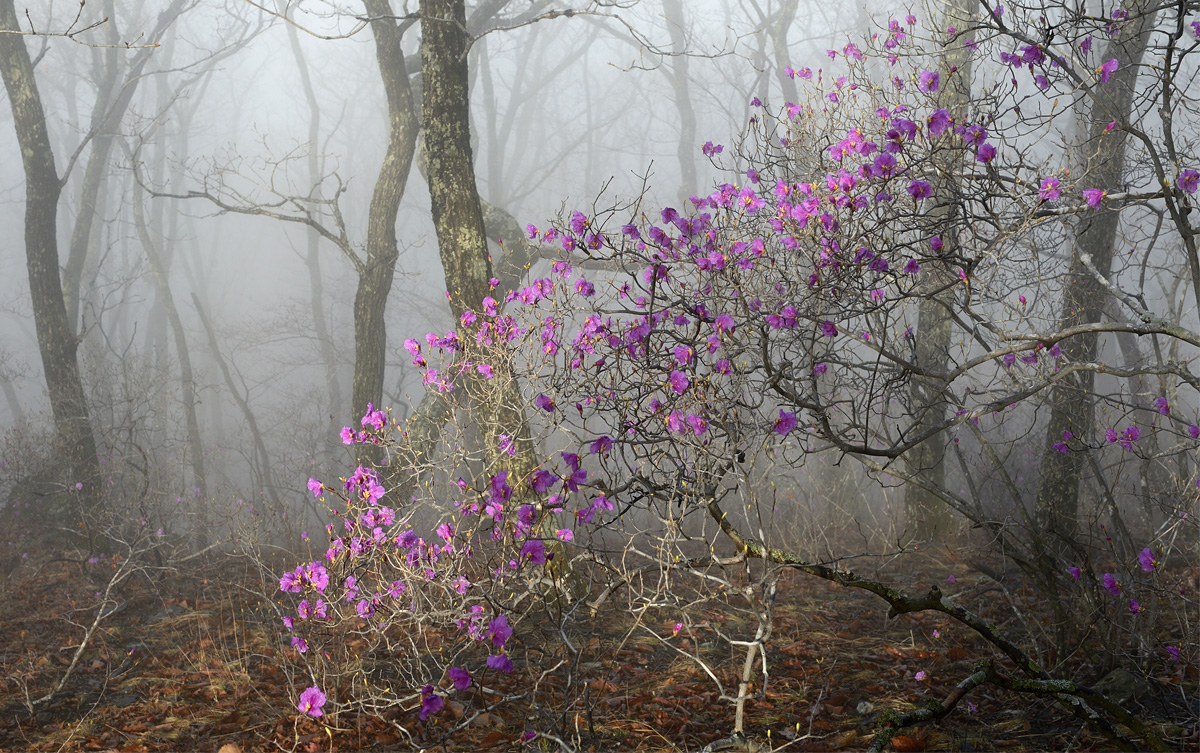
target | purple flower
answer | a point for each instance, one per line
(785, 423)
(1162, 406)
(1050, 189)
(820, 369)
(679, 381)
(431, 703)
(829, 329)
(1106, 69)
(1147, 561)
(584, 288)
(938, 122)
(1093, 197)
(290, 582)
(601, 445)
(314, 486)
(460, 677)
(1189, 180)
(1110, 583)
(1174, 650)
(534, 551)
(500, 663)
(986, 154)
(920, 189)
(920, 676)
(311, 701)
(929, 81)
(1134, 606)
(711, 150)
(1194, 431)
(912, 267)
(499, 631)
(545, 403)
(375, 418)
(299, 644)
(1075, 572)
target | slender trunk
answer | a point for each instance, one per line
(312, 258)
(187, 379)
(458, 217)
(681, 85)
(1084, 297)
(260, 447)
(56, 339)
(375, 280)
(111, 104)
(778, 28)
(926, 516)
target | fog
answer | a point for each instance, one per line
(562, 109)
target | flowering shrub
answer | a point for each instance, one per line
(666, 355)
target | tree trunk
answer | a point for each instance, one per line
(1084, 297)
(312, 258)
(681, 85)
(458, 218)
(375, 280)
(926, 516)
(111, 103)
(187, 379)
(56, 339)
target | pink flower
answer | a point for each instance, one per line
(1147, 561)
(311, 701)
(1093, 197)
(1050, 189)
(460, 677)
(1106, 69)
(1189, 180)
(1111, 585)
(785, 423)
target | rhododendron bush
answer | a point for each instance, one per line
(676, 362)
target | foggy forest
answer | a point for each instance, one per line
(599, 375)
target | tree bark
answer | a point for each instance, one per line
(312, 257)
(375, 279)
(681, 85)
(458, 218)
(111, 103)
(56, 339)
(926, 516)
(187, 380)
(1084, 297)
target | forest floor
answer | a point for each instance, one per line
(199, 662)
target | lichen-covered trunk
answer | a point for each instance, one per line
(1084, 297)
(926, 516)
(375, 278)
(56, 338)
(458, 220)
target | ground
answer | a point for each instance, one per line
(194, 660)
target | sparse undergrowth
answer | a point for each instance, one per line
(197, 661)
